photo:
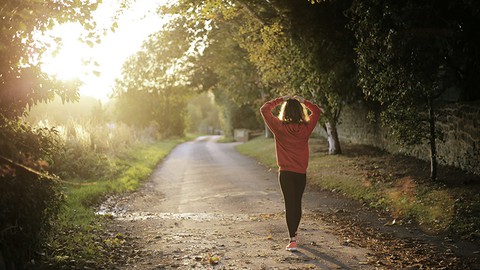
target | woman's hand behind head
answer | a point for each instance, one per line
(299, 98)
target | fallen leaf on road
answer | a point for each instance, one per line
(391, 223)
(213, 259)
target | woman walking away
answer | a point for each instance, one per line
(292, 130)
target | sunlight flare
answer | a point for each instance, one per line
(69, 62)
(97, 65)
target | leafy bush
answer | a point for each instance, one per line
(75, 161)
(28, 204)
(28, 195)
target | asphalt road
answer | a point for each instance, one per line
(205, 176)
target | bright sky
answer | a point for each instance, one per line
(134, 25)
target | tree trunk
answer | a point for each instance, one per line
(332, 137)
(2, 261)
(432, 139)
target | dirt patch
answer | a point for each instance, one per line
(386, 164)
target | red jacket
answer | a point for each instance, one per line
(291, 140)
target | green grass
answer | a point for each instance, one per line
(74, 237)
(387, 182)
(225, 139)
(261, 149)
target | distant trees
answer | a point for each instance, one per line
(236, 84)
(152, 89)
(203, 115)
(192, 55)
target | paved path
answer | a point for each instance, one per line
(207, 206)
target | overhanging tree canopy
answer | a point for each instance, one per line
(296, 47)
(409, 54)
(22, 83)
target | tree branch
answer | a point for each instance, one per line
(44, 175)
(28, 169)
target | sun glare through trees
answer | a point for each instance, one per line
(95, 58)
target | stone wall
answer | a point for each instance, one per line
(460, 123)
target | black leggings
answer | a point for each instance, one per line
(293, 185)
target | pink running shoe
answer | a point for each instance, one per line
(292, 246)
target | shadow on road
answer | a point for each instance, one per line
(318, 258)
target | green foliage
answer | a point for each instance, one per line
(76, 161)
(85, 152)
(88, 149)
(86, 142)
(29, 197)
(237, 89)
(279, 47)
(27, 145)
(22, 83)
(409, 53)
(223, 66)
(29, 204)
(386, 69)
(297, 52)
